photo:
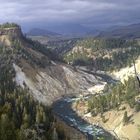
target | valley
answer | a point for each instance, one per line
(77, 83)
(69, 70)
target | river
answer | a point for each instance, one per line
(63, 109)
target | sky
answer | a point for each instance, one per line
(89, 13)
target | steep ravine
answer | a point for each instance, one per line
(55, 83)
(50, 83)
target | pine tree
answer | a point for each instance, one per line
(137, 107)
(7, 131)
(125, 118)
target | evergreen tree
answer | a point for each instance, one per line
(125, 118)
(7, 131)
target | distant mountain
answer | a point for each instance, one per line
(93, 32)
(70, 29)
(130, 31)
(65, 30)
(41, 32)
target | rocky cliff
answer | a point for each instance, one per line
(13, 31)
(10, 34)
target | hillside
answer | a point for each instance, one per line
(127, 32)
(20, 114)
(41, 32)
(113, 121)
(69, 29)
(116, 108)
(103, 54)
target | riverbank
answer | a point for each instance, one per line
(112, 121)
(68, 132)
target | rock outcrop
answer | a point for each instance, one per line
(8, 35)
(13, 31)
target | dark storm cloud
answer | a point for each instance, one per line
(86, 12)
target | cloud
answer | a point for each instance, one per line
(87, 12)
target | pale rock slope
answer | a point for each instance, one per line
(126, 72)
(57, 80)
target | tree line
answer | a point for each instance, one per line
(115, 96)
(8, 25)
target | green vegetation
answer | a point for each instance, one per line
(9, 25)
(139, 128)
(114, 97)
(104, 54)
(30, 56)
(35, 45)
(137, 107)
(125, 118)
(21, 117)
(97, 44)
(60, 47)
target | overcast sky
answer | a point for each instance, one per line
(85, 12)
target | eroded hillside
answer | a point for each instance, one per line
(46, 78)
